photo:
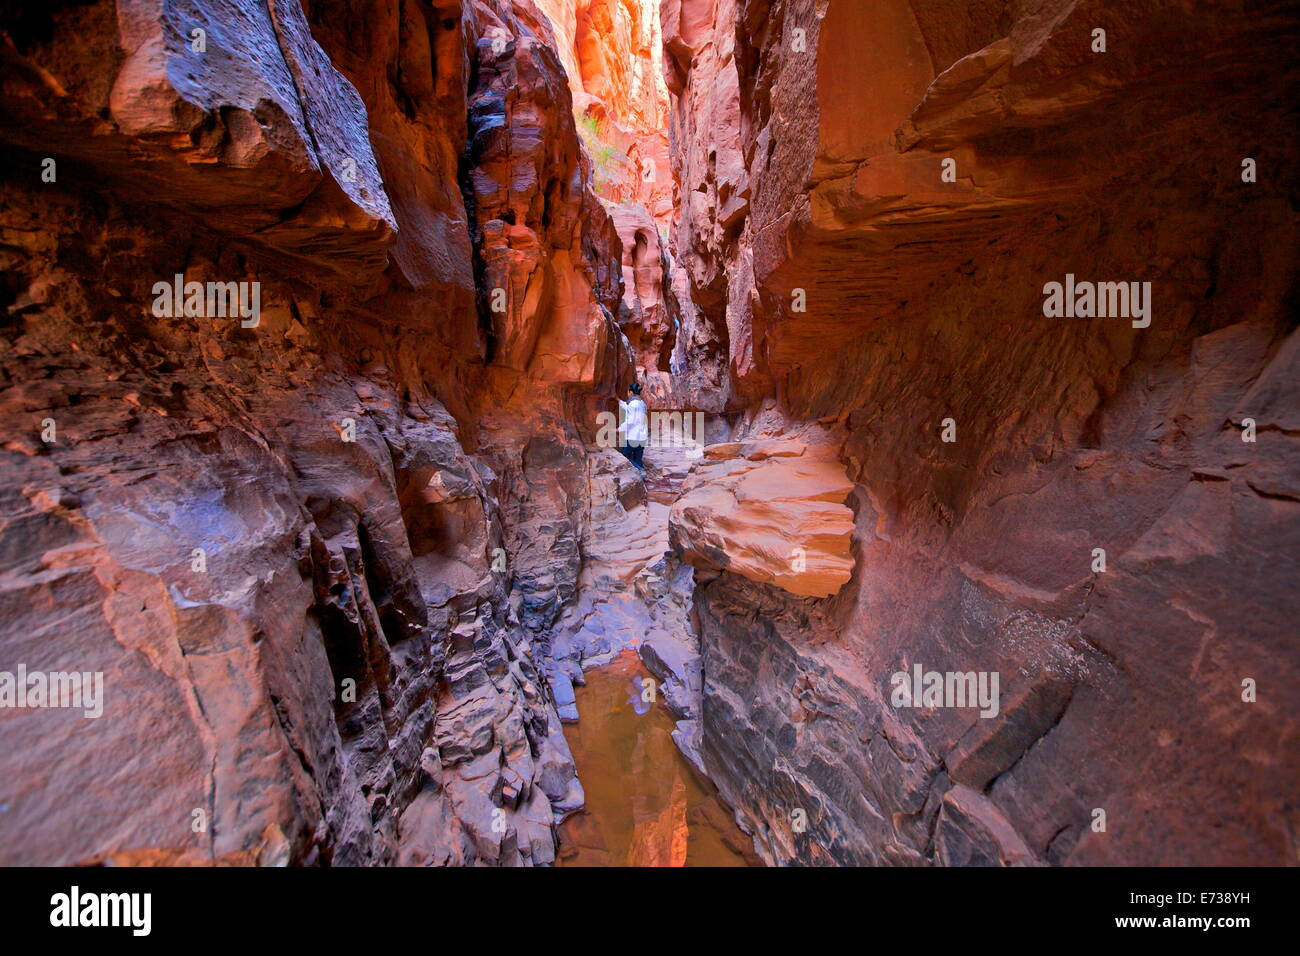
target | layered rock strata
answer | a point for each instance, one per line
(612, 53)
(771, 510)
(314, 547)
(874, 199)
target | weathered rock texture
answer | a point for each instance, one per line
(316, 559)
(648, 313)
(835, 271)
(342, 562)
(613, 56)
(771, 510)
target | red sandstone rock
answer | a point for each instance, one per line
(347, 679)
(772, 511)
(612, 54)
(835, 271)
(370, 666)
(648, 317)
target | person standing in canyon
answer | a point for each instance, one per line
(633, 424)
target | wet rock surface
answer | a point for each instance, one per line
(645, 806)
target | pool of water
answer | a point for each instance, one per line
(645, 805)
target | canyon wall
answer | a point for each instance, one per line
(612, 53)
(315, 549)
(1103, 511)
(310, 307)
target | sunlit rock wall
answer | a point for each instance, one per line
(612, 53)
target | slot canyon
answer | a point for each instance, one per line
(318, 316)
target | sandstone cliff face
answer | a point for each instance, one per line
(315, 554)
(771, 510)
(835, 270)
(649, 314)
(612, 55)
(341, 558)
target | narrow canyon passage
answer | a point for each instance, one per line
(966, 337)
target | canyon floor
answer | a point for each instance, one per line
(969, 531)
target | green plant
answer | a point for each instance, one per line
(606, 158)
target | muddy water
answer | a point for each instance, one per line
(645, 805)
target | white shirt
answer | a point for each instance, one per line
(634, 424)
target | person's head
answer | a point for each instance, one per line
(634, 389)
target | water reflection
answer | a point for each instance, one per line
(642, 694)
(645, 806)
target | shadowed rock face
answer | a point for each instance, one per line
(836, 271)
(341, 560)
(315, 558)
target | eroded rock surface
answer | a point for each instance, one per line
(316, 553)
(771, 510)
(342, 559)
(834, 271)
(612, 53)
(649, 315)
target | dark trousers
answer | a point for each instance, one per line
(634, 453)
